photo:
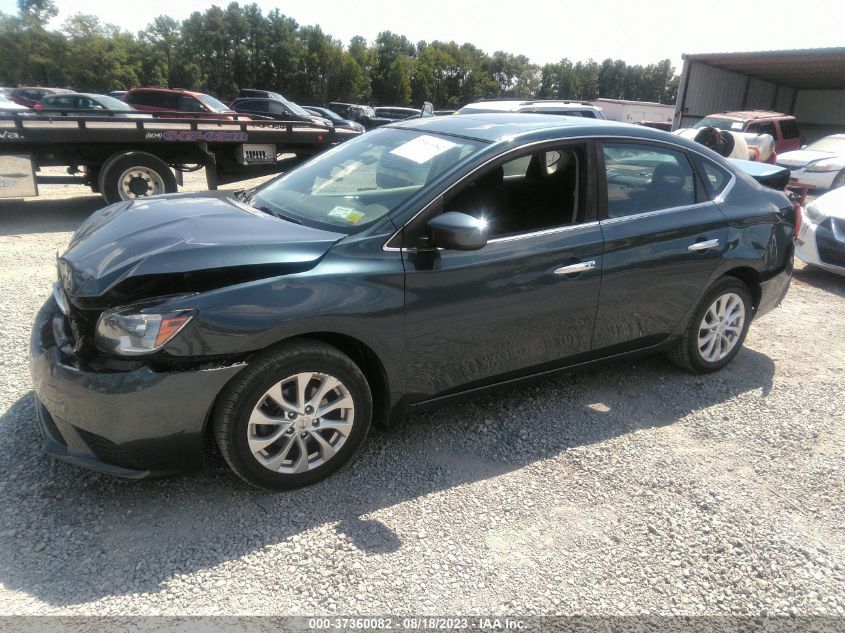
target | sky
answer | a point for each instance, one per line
(637, 31)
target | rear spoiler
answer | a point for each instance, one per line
(767, 175)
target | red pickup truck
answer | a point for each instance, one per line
(783, 128)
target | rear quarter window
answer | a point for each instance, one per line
(714, 177)
(789, 128)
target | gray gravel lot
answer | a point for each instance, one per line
(629, 489)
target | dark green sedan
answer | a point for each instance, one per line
(427, 260)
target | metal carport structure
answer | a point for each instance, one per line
(807, 83)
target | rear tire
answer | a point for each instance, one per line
(716, 329)
(135, 175)
(294, 416)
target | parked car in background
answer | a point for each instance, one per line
(275, 109)
(9, 105)
(395, 113)
(444, 112)
(821, 239)
(117, 94)
(362, 114)
(342, 109)
(182, 103)
(820, 165)
(90, 104)
(337, 120)
(426, 260)
(539, 106)
(30, 96)
(247, 93)
(783, 128)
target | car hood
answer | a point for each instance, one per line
(832, 204)
(803, 157)
(185, 233)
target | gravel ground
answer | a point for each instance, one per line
(634, 488)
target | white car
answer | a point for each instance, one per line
(820, 165)
(821, 238)
(10, 107)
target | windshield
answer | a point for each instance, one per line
(359, 182)
(213, 104)
(110, 103)
(720, 124)
(835, 144)
(298, 110)
(327, 114)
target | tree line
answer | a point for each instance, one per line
(222, 49)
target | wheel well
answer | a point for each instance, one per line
(750, 278)
(362, 355)
(369, 364)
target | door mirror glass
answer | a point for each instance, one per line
(458, 231)
(427, 110)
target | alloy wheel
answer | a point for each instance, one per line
(721, 327)
(301, 422)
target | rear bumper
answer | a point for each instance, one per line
(131, 424)
(774, 289)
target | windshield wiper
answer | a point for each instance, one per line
(281, 216)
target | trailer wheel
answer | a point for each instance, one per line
(134, 175)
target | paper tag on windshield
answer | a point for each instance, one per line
(345, 213)
(736, 125)
(423, 148)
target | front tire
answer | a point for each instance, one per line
(294, 416)
(717, 328)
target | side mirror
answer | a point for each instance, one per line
(458, 231)
(427, 110)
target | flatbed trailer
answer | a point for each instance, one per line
(124, 157)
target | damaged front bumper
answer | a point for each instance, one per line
(136, 423)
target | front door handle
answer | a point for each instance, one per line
(706, 245)
(580, 267)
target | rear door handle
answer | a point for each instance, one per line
(706, 245)
(580, 267)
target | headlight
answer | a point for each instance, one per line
(824, 165)
(812, 213)
(134, 331)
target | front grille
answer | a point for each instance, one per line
(831, 250)
(107, 451)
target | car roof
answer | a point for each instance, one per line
(169, 90)
(504, 126)
(90, 95)
(54, 90)
(749, 115)
(506, 105)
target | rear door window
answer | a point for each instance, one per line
(764, 127)
(642, 178)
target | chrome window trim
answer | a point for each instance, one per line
(717, 200)
(648, 214)
(557, 229)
